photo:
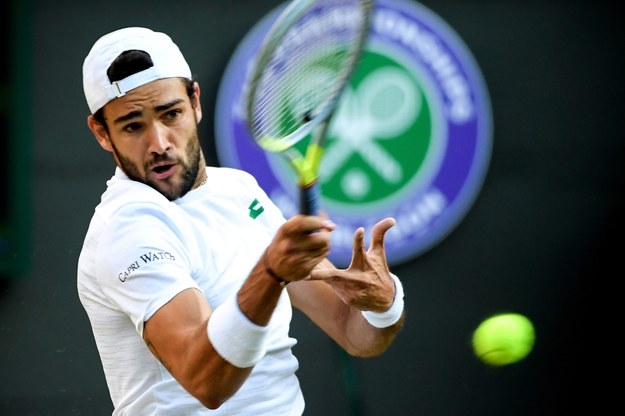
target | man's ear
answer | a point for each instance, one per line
(100, 133)
(196, 102)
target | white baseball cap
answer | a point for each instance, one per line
(166, 57)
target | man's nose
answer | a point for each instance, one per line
(158, 139)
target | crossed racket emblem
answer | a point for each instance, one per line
(384, 105)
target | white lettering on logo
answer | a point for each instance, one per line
(409, 34)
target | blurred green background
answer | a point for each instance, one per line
(544, 237)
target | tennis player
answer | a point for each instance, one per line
(189, 273)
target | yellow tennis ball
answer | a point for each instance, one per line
(504, 339)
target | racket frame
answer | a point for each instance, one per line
(305, 165)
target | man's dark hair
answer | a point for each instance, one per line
(129, 63)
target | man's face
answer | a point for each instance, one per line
(152, 133)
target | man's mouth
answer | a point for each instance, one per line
(163, 171)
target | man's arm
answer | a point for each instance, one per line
(179, 333)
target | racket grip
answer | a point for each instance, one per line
(309, 199)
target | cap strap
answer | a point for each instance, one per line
(121, 87)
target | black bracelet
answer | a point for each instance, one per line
(271, 273)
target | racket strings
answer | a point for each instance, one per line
(306, 70)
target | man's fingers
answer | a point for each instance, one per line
(322, 274)
(330, 275)
(359, 240)
(379, 231)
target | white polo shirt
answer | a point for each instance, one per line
(141, 250)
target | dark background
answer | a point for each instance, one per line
(544, 238)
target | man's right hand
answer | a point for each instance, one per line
(299, 245)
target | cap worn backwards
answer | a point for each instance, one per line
(167, 59)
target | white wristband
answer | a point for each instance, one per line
(237, 339)
(393, 314)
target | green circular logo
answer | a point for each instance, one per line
(411, 137)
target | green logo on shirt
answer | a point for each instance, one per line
(255, 209)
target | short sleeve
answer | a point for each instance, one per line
(143, 260)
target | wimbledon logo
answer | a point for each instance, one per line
(411, 138)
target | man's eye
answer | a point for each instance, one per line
(132, 127)
(173, 114)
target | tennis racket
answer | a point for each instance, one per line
(304, 63)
